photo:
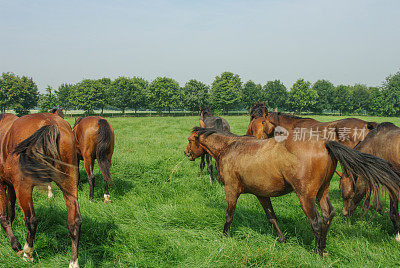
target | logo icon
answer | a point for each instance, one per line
(281, 134)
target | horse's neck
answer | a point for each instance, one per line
(215, 144)
(290, 123)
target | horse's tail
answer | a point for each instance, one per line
(39, 154)
(104, 135)
(374, 170)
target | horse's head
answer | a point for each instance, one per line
(205, 112)
(194, 149)
(57, 111)
(346, 186)
(259, 109)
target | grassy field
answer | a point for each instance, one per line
(164, 214)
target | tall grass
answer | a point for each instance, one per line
(164, 214)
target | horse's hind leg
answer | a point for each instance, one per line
(202, 165)
(394, 217)
(209, 166)
(11, 199)
(311, 211)
(6, 218)
(267, 206)
(24, 197)
(328, 212)
(89, 165)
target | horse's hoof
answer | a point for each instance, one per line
(74, 264)
(25, 256)
(107, 198)
(50, 195)
(282, 239)
(325, 253)
(398, 237)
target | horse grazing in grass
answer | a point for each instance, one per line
(383, 142)
(95, 140)
(37, 149)
(268, 168)
(208, 120)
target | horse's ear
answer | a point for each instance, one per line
(339, 173)
(201, 123)
(276, 109)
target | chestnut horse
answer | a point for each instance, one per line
(95, 140)
(260, 128)
(207, 119)
(267, 168)
(36, 149)
(383, 142)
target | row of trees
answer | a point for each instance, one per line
(227, 92)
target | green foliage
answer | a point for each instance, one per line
(48, 101)
(391, 95)
(196, 94)
(302, 96)
(165, 93)
(64, 96)
(226, 91)
(88, 95)
(325, 91)
(342, 100)
(360, 96)
(276, 94)
(251, 93)
(18, 93)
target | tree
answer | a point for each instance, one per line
(129, 93)
(276, 94)
(88, 95)
(342, 100)
(325, 91)
(195, 94)
(251, 93)
(64, 96)
(48, 101)
(165, 93)
(360, 98)
(391, 95)
(375, 101)
(18, 93)
(226, 91)
(302, 96)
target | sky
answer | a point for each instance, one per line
(344, 41)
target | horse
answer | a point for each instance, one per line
(383, 142)
(268, 168)
(58, 111)
(95, 140)
(259, 109)
(208, 120)
(37, 149)
(260, 128)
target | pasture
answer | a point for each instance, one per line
(163, 214)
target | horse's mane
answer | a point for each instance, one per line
(209, 131)
(382, 127)
(77, 121)
(257, 109)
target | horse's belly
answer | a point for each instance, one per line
(266, 185)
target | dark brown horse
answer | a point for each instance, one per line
(36, 149)
(95, 140)
(258, 110)
(383, 142)
(207, 119)
(268, 168)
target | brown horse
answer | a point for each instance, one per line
(268, 168)
(383, 142)
(95, 140)
(36, 149)
(207, 119)
(260, 128)
(258, 110)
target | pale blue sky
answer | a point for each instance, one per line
(66, 41)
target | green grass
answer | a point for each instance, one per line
(163, 214)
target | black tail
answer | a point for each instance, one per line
(374, 170)
(104, 135)
(39, 153)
